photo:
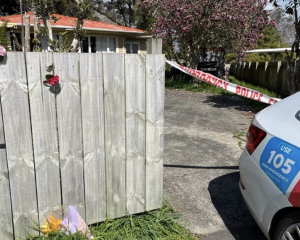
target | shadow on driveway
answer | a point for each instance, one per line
(228, 201)
(227, 101)
(200, 167)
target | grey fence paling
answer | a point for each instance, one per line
(96, 145)
(271, 75)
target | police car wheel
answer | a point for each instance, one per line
(288, 228)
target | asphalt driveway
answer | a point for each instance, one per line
(201, 163)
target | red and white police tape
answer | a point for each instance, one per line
(228, 86)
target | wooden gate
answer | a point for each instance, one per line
(94, 142)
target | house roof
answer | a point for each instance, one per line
(69, 22)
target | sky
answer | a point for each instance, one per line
(279, 2)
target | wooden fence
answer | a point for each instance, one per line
(271, 75)
(96, 145)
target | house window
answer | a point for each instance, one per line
(46, 47)
(85, 45)
(101, 44)
(31, 41)
(132, 47)
(98, 44)
(44, 44)
(112, 44)
(56, 37)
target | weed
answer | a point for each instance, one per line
(241, 139)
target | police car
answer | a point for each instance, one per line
(270, 169)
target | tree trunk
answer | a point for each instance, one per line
(74, 45)
(27, 33)
(37, 33)
(18, 46)
(47, 24)
(50, 33)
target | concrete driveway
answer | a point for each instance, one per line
(201, 163)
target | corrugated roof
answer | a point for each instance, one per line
(69, 22)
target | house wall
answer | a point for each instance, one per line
(142, 42)
(121, 38)
(121, 45)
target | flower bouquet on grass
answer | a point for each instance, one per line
(72, 227)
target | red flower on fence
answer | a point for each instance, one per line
(53, 80)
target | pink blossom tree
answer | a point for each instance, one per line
(188, 25)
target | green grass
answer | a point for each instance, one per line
(255, 105)
(187, 84)
(158, 224)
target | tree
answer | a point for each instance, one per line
(190, 25)
(83, 11)
(285, 25)
(271, 39)
(9, 7)
(44, 9)
(3, 37)
(122, 12)
(293, 69)
(27, 33)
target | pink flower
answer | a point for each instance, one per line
(53, 80)
(2, 51)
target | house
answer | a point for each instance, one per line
(103, 37)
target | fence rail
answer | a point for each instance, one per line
(271, 75)
(95, 143)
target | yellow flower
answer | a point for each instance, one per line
(52, 225)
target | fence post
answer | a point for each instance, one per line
(154, 46)
(278, 78)
(232, 69)
(284, 86)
